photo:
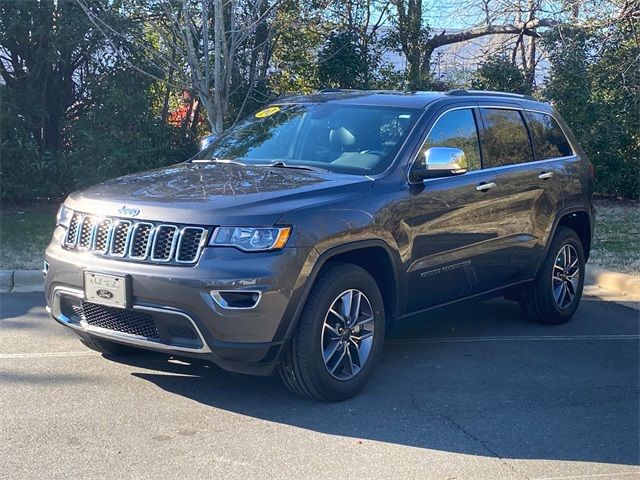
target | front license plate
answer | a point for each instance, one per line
(110, 290)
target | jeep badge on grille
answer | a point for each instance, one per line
(128, 211)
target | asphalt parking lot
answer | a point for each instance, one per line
(472, 392)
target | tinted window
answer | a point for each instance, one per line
(548, 139)
(343, 138)
(457, 129)
(505, 140)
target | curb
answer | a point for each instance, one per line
(6, 281)
(622, 283)
(27, 281)
(21, 281)
(15, 281)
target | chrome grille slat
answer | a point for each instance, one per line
(141, 240)
(74, 229)
(189, 244)
(164, 243)
(86, 232)
(137, 241)
(120, 238)
(102, 236)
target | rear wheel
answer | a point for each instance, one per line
(339, 337)
(109, 348)
(556, 294)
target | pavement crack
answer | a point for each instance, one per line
(451, 422)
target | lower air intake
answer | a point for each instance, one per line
(132, 322)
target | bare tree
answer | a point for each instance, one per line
(203, 47)
(418, 44)
(516, 25)
(235, 26)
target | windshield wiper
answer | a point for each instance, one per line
(218, 160)
(281, 164)
(278, 164)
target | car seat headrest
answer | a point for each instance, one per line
(341, 137)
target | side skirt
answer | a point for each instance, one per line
(496, 292)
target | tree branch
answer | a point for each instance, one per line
(519, 28)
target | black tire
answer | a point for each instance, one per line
(110, 348)
(540, 303)
(302, 367)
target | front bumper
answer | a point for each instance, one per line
(246, 340)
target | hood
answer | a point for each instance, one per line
(215, 194)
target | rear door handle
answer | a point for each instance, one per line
(483, 187)
(545, 175)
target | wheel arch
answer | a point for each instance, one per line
(580, 221)
(377, 261)
(375, 256)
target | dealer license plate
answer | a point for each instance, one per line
(110, 290)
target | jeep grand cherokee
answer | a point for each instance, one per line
(299, 235)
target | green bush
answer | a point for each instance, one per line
(120, 135)
(500, 74)
(593, 82)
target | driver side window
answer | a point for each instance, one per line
(457, 129)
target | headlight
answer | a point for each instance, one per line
(251, 239)
(63, 218)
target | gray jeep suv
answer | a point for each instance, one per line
(299, 235)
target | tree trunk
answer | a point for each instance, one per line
(425, 69)
(217, 121)
(411, 34)
(530, 69)
(193, 128)
(529, 56)
(186, 121)
(167, 93)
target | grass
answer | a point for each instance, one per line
(616, 243)
(25, 232)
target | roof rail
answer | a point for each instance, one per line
(336, 90)
(462, 92)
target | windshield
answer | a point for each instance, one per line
(351, 139)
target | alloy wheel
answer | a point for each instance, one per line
(566, 276)
(347, 334)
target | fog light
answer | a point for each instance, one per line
(45, 269)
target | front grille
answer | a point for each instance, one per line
(140, 241)
(131, 322)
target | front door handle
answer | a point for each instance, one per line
(545, 175)
(483, 187)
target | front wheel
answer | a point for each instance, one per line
(339, 338)
(556, 294)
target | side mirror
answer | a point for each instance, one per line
(206, 141)
(440, 162)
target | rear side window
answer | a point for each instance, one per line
(505, 140)
(457, 129)
(549, 140)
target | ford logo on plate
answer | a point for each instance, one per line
(106, 294)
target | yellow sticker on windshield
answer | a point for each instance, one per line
(267, 112)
